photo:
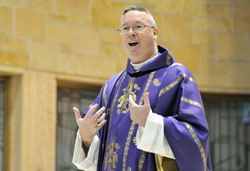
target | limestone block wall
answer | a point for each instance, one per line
(79, 38)
(50, 43)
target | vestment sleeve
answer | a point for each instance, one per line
(80, 160)
(185, 125)
(151, 138)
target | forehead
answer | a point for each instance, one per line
(134, 16)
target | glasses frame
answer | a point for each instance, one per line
(133, 29)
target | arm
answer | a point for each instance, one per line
(151, 138)
(83, 161)
(87, 136)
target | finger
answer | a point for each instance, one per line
(101, 124)
(91, 111)
(146, 99)
(101, 118)
(98, 113)
(77, 113)
(131, 101)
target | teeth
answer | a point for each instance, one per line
(134, 43)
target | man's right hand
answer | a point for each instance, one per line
(90, 124)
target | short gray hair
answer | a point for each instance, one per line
(137, 8)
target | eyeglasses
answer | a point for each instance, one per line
(136, 28)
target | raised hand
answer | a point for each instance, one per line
(139, 113)
(90, 124)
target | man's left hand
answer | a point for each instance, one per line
(139, 113)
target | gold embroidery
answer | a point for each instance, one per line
(141, 161)
(191, 102)
(168, 60)
(171, 85)
(116, 95)
(188, 77)
(134, 140)
(123, 106)
(197, 141)
(129, 169)
(111, 157)
(104, 94)
(131, 130)
(156, 82)
(125, 154)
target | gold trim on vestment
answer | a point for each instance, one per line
(132, 127)
(104, 94)
(116, 95)
(197, 141)
(191, 102)
(174, 83)
(158, 161)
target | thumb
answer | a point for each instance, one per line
(77, 113)
(146, 99)
(131, 101)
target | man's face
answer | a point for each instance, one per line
(141, 45)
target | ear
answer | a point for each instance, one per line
(155, 31)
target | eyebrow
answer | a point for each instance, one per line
(137, 22)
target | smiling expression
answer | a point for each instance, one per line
(142, 45)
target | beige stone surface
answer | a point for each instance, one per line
(212, 80)
(9, 44)
(186, 7)
(216, 10)
(78, 4)
(38, 121)
(107, 13)
(208, 51)
(86, 40)
(57, 17)
(188, 55)
(109, 36)
(79, 17)
(212, 24)
(18, 3)
(239, 75)
(104, 69)
(199, 37)
(241, 19)
(29, 24)
(177, 28)
(72, 64)
(60, 32)
(6, 15)
(40, 4)
(214, 66)
(44, 56)
(14, 59)
(232, 46)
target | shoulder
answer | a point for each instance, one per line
(177, 72)
(179, 69)
(114, 79)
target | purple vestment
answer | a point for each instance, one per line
(174, 95)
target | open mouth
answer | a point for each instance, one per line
(133, 43)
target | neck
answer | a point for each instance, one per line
(138, 66)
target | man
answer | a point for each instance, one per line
(154, 114)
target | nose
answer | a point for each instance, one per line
(131, 31)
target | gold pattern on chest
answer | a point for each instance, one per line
(123, 101)
(156, 82)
